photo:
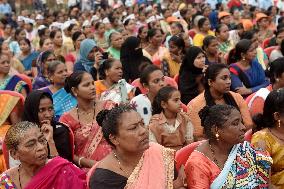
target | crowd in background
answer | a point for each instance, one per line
(142, 94)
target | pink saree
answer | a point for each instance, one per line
(155, 169)
(88, 139)
(58, 173)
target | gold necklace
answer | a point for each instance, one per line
(119, 163)
(213, 155)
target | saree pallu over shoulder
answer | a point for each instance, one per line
(13, 83)
(246, 168)
(58, 173)
(7, 104)
(63, 102)
(155, 169)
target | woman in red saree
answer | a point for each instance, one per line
(28, 144)
(134, 162)
(90, 145)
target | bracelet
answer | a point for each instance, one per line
(79, 161)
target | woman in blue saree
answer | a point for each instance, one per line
(27, 55)
(246, 72)
(62, 101)
(225, 161)
(10, 82)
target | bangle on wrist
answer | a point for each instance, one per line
(79, 161)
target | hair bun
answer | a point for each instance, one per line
(102, 116)
(203, 113)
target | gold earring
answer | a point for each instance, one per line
(217, 136)
(244, 59)
(279, 123)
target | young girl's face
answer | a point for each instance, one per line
(24, 46)
(173, 104)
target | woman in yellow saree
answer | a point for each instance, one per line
(270, 135)
(10, 108)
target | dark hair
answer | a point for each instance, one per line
(249, 34)
(201, 22)
(76, 35)
(31, 106)
(109, 120)
(216, 115)
(163, 95)
(282, 47)
(51, 68)
(27, 41)
(179, 26)
(111, 35)
(126, 22)
(53, 33)
(41, 32)
(280, 20)
(241, 47)
(178, 41)
(218, 28)
(97, 25)
(140, 31)
(212, 72)
(152, 32)
(73, 81)
(18, 31)
(273, 103)
(105, 65)
(145, 73)
(280, 30)
(41, 41)
(275, 69)
(71, 26)
(207, 41)
(45, 55)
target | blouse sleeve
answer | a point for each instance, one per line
(236, 82)
(261, 140)
(198, 173)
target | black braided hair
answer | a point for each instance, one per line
(214, 116)
(109, 120)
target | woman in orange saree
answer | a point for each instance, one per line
(10, 104)
(90, 145)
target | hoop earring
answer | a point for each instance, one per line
(279, 123)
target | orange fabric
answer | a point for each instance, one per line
(247, 23)
(195, 105)
(100, 88)
(200, 171)
(183, 154)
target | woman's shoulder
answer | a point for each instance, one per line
(262, 135)
(197, 101)
(68, 116)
